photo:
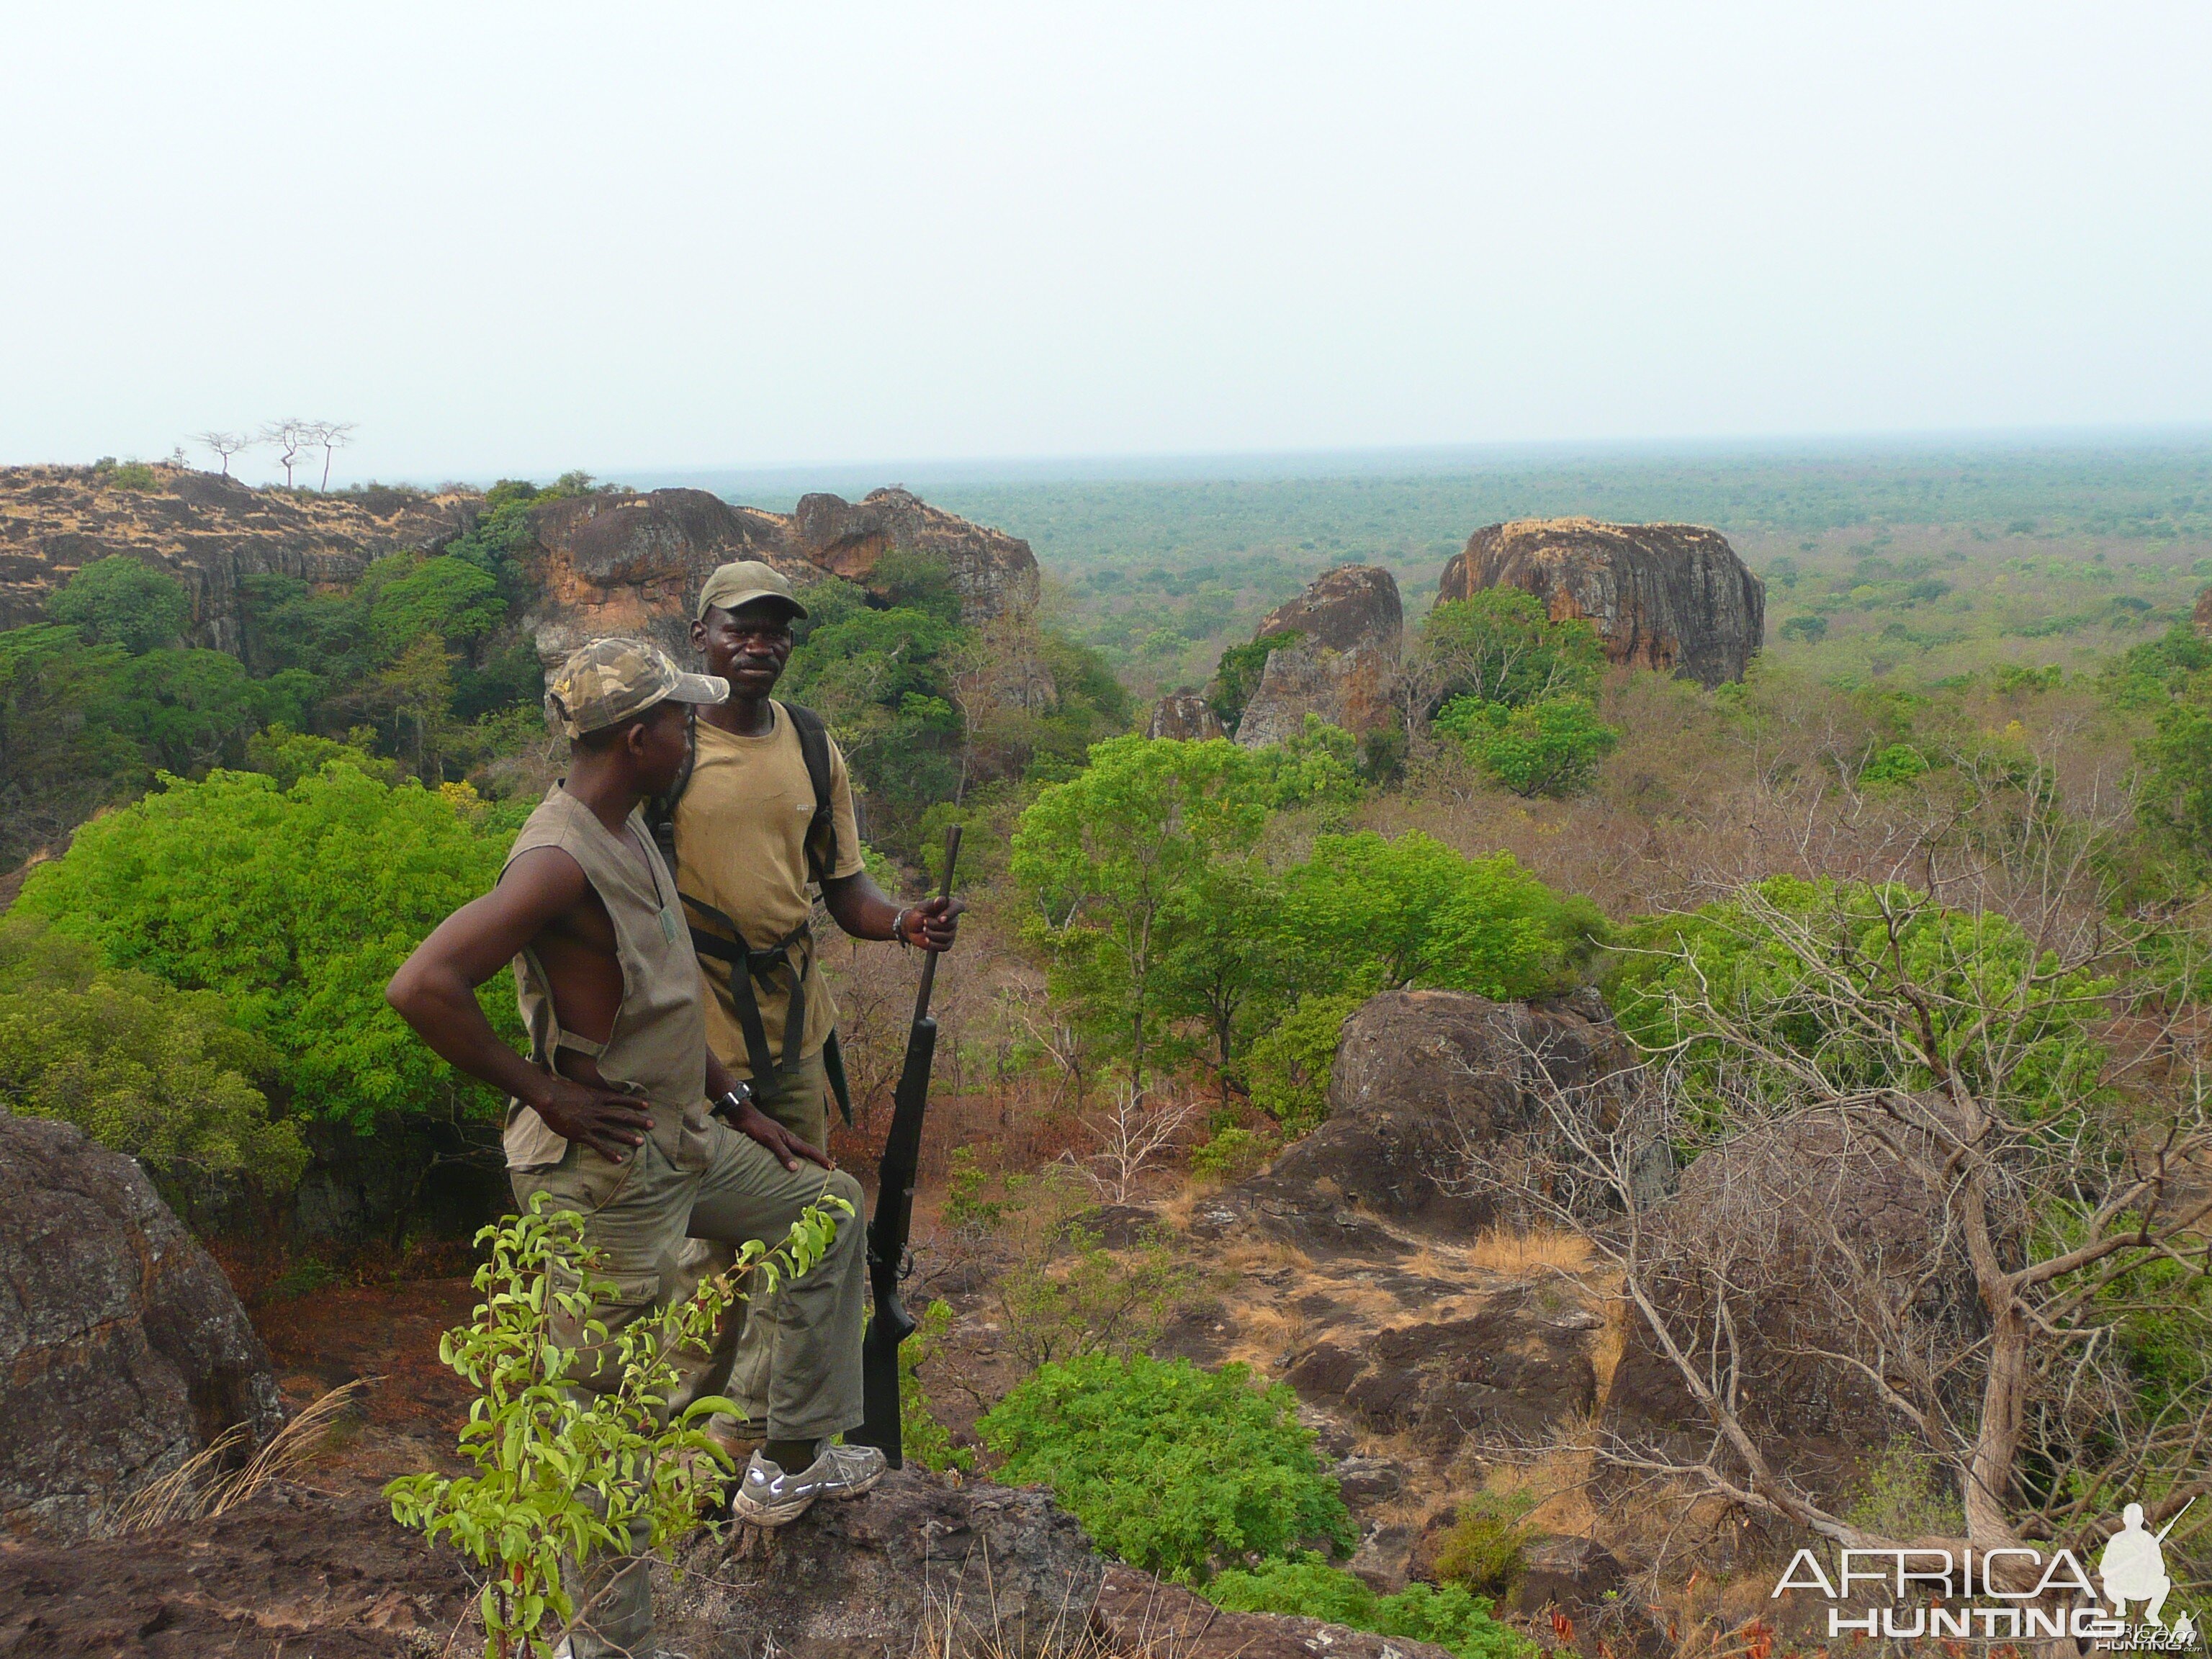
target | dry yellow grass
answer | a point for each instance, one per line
(1503, 1251)
(200, 1488)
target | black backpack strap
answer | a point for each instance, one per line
(822, 827)
(746, 964)
(660, 812)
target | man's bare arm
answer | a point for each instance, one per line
(435, 992)
(863, 909)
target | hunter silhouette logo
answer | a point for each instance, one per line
(2007, 1594)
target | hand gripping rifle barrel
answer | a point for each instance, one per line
(887, 1231)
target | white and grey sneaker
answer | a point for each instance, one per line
(767, 1497)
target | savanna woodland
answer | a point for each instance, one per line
(1508, 1176)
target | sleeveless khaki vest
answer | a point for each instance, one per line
(657, 1050)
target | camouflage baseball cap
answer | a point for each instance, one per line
(733, 585)
(612, 679)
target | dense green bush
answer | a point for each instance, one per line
(118, 600)
(1288, 1070)
(297, 905)
(1549, 747)
(1305, 1585)
(1170, 1467)
(149, 1071)
(1501, 645)
(1483, 1550)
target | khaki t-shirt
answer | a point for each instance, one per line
(741, 847)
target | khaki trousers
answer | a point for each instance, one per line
(744, 1356)
(639, 1214)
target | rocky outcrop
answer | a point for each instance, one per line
(932, 1562)
(1351, 624)
(1423, 1080)
(993, 572)
(853, 1581)
(1138, 1615)
(2201, 617)
(1822, 1239)
(209, 531)
(1185, 715)
(626, 562)
(124, 1346)
(1671, 597)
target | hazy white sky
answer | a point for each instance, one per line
(510, 238)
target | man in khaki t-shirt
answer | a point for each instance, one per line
(742, 855)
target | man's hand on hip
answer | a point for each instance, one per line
(607, 1120)
(788, 1147)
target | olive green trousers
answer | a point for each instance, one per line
(640, 1214)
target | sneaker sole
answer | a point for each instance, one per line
(754, 1513)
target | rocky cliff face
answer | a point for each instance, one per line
(1673, 597)
(124, 1348)
(621, 562)
(1352, 624)
(1186, 715)
(994, 572)
(630, 563)
(208, 531)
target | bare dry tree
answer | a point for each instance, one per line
(224, 445)
(330, 437)
(288, 437)
(1133, 1136)
(1950, 1174)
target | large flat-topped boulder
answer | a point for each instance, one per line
(1185, 715)
(1672, 597)
(993, 572)
(1350, 624)
(123, 1348)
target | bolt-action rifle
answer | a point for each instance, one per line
(887, 1231)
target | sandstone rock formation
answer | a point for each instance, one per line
(993, 572)
(623, 561)
(208, 531)
(1421, 1079)
(1184, 715)
(1352, 624)
(1673, 597)
(630, 563)
(125, 1349)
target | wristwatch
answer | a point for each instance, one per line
(732, 1103)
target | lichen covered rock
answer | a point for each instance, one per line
(1351, 624)
(124, 1348)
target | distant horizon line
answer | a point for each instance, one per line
(1194, 466)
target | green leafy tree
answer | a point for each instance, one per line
(1237, 675)
(1550, 747)
(118, 600)
(1224, 961)
(1109, 859)
(449, 599)
(59, 761)
(1170, 1467)
(148, 1071)
(295, 906)
(1289, 1069)
(1319, 767)
(1368, 911)
(1501, 645)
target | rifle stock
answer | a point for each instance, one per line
(888, 1227)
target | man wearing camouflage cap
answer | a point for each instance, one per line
(609, 1114)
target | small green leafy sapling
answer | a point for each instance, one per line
(563, 1470)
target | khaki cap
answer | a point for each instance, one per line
(741, 583)
(612, 679)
